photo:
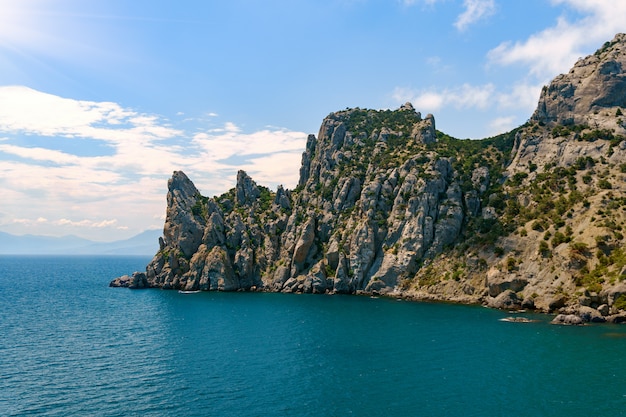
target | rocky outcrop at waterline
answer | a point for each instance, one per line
(387, 204)
(135, 281)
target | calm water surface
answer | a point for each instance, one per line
(72, 346)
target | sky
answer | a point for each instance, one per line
(100, 101)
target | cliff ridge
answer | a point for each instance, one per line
(387, 204)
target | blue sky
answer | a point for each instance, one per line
(101, 100)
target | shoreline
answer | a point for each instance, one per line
(563, 316)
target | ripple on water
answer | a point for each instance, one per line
(77, 347)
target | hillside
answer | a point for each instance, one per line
(386, 204)
(144, 243)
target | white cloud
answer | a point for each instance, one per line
(422, 100)
(229, 141)
(40, 154)
(104, 223)
(276, 168)
(545, 54)
(555, 49)
(94, 224)
(469, 96)
(463, 97)
(502, 124)
(87, 223)
(475, 10)
(270, 156)
(428, 100)
(523, 96)
(30, 111)
(231, 127)
(127, 181)
(23, 221)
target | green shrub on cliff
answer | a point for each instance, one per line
(620, 302)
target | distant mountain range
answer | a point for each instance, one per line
(145, 243)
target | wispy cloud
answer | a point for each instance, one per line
(555, 49)
(438, 65)
(412, 2)
(544, 54)
(271, 156)
(481, 98)
(30, 111)
(502, 124)
(40, 154)
(83, 223)
(475, 10)
(122, 185)
(522, 96)
(463, 97)
(87, 223)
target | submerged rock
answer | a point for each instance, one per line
(567, 319)
(518, 320)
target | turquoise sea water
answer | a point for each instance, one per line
(72, 346)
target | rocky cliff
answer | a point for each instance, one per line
(387, 204)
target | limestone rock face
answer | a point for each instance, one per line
(424, 131)
(183, 225)
(567, 164)
(594, 83)
(207, 245)
(136, 281)
(499, 283)
(506, 300)
(386, 204)
(246, 191)
(586, 101)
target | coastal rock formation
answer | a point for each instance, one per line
(136, 281)
(386, 204)
(594, 83)
(358, 221)
(567, 319)
(579, 107)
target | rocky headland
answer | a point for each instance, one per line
(387, 204)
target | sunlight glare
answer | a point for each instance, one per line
(18, 22)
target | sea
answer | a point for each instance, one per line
(72, 346)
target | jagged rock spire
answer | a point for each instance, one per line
(246, 190)
(182, 228)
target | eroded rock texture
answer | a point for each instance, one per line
(385, 203)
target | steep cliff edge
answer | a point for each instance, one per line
(377, 195)
(387, 204)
